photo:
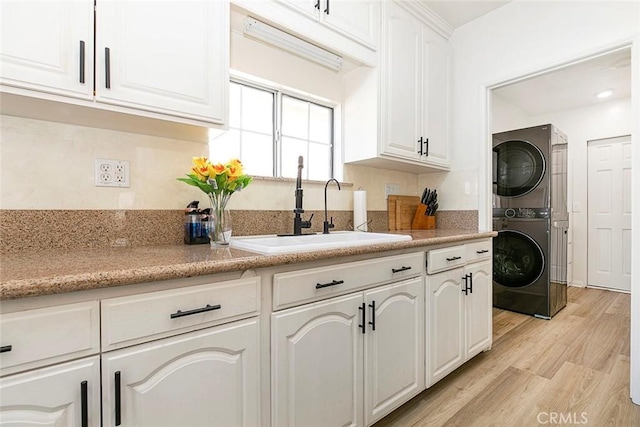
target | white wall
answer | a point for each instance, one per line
(519, 39)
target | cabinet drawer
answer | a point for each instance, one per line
(446, 258)
(479, 250)
(34, 338)
(313, 284)
(138, 318)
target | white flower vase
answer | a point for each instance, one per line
(220, 232)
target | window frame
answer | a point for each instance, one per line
(278, 91)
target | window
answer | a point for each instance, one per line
(269, 129)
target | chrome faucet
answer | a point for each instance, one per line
(327, 225)
(298, 223)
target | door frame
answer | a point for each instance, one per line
(484, 175)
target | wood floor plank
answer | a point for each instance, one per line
(575, 363)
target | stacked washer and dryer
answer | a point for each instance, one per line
(531, 217)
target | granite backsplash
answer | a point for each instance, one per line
(27, 230)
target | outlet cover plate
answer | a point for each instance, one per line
(391, 189)
(111, 173)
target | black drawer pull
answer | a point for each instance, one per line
(484, 251)
(107, 68)
(466, 285)
(5, 348)
(82, 60)
(453, 258)
(118, 398)
(84, 410)
(398, 270)
(204, 309)
(373, 315)
(332, 283)
(363, 325)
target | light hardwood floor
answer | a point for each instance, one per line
(571, 370)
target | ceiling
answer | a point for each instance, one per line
(573, 86)
(459, 12)
(570, 87)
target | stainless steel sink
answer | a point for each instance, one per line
(271, 244)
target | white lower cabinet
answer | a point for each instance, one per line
(459, 317)
(348, 360)
(64, 395)
(203, 378)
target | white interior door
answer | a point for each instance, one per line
(609, 213)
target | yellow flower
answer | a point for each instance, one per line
(218, 169)
(235, 169)
(201, 168)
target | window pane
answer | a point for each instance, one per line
(234, 105)
(295, 117)
(320, 124)
(319, 162)
(225, 147)
(291, 149)
(257, 110)
(257, 156)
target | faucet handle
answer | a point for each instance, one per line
(306, 224)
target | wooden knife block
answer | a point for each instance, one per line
(422, 221)
(407, 213)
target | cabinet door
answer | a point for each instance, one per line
(316, 356)
(446, 331)
(358, 20)
(309, 8)
(203, 378)
(434, 99)
(401, 83)
(53, 396)
(41, 46)
(168, 57)
(394, 347)
(478, 311)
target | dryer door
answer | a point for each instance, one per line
(518, 261)
(518, 168)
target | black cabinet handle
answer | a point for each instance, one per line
(84, 410)
(484, 251)
(453, 258)
(327, 9)
(465, 289)
(5, 348)
(398, 270)
(373, 315)
(107, 68)
(332, 283)
(470, 282)
(363, 308)
(81, 61)
(118, 398)
(317, 6)
(204, 309)
(420, 149)
(426, 151)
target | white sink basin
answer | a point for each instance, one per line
(272, 244)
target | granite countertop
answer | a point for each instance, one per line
(52, 272)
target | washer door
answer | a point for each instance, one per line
(518, 260)
(518, 168)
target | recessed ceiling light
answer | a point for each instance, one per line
(604, 94)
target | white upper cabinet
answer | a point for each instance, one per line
(396, 115)
(166, 56)
(358, 20)
(414, 81)
(350, 28)
(48, 46)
